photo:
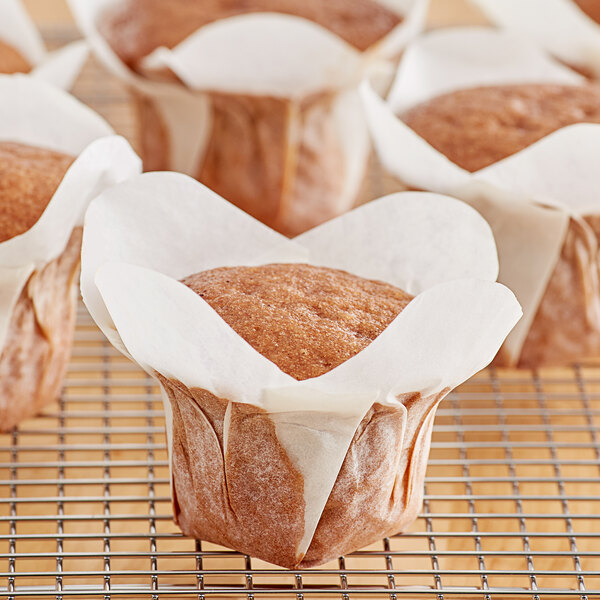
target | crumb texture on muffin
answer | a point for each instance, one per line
(305, 319)
(590, 7)
(477, 127)
(137, 27)
(12, 61)
(29, 176)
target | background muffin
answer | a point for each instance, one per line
(135, 28)
(292, 129)
(477, 127)
(47, 180)
(22, 49)
(481, 114)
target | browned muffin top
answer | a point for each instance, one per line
(137, 27)
(29, 177)
(477, 127)
(11, 61)
(590, 7)
(305, 319)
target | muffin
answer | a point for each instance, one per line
(37, 346)
(46, 181)
(135, 28)
(299, 149)
(299, 396)
(499, 124)
(22, 49)
(477, 127)
(12, 61)
(307, 320)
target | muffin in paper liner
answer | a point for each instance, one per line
(293, 472)
(38, 267)
(569, 29)
(541, 202)
(293, 129)
(22, 49)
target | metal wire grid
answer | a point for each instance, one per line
(511, 508)
(512, 491)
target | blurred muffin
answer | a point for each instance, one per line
(289, 154)
(135, 28)
(477, 127)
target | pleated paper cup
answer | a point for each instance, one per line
(294, 472)
(38, 268)
(541, 203)
(270, 96)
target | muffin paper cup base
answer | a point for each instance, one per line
(540, 187)
(137, 247)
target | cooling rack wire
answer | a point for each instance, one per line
(512, 505)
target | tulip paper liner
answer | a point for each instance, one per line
(144, 235)
(60, 67)
(559, 26)
(310, 60)
(42, 115)
(528, 197)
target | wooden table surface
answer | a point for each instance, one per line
(442, 12)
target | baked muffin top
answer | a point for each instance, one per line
(29, 177)
(135, 28)
(12, 61)
(305, 319)
(590, 7)
(477, 127)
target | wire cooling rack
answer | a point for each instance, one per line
(512, 505)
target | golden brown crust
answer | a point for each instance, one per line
(566, 327)
(29, 177)
(477, 127)
(305, 319)
(12, 61)
(137, 27)
(590, 7)
(37, 347)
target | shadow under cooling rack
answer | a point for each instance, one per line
(512, 506)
